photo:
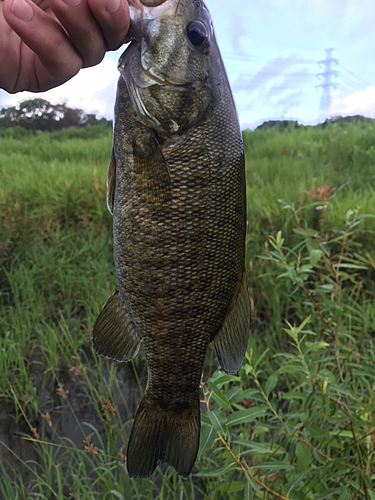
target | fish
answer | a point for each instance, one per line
(177, 192)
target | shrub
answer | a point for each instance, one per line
(302, 426)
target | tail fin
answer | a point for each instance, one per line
(163, 437)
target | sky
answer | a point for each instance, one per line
(271, 50)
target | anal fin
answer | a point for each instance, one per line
(113, 336)
(231, 341)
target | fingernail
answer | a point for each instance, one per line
(112, 6)
(22, 10)
(72, 3)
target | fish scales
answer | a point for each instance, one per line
(179, 222)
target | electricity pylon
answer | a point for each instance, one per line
(327, 83)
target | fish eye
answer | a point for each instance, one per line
(197, 33)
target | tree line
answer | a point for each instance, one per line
(40, 114)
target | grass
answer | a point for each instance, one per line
(56, 271)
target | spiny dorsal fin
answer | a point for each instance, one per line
(111, 182)
(113, 336)
(231, 341)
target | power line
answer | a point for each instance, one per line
(273, 75)
(258, 59)
(359, 78)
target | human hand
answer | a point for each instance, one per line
(46, 42)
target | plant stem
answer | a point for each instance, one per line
(236, 459)
(281, 420)
(317, 309)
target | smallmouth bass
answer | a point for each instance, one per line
(176, 189)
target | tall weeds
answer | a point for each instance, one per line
(297, 422)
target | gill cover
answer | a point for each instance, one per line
(167, 66)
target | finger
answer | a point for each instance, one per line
(57, 61)
(113, 18)
(82, 28)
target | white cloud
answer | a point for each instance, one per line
(93, 90)
(361, 102)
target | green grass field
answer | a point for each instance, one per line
(298, 422)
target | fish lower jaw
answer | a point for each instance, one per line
(160, 79)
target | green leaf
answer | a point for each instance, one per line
(359, 259)
(270, 385)
(315, 346)
(287, 369)
(248, 491)
(366, 216)
(279, 239)
(207, 437)
(219, 397)
(117, 494)
(303, 456)
(204, 418)
(326, 288)
(325, 249)
(315, 256)
(303, 232)
(273, 466)
(292, 332)
(342, 433)
(329, 494)
(295, 481)
(291, 273)
(258, 447)
(218, 420)
(303, 324)
(252, 483)
(216, 471)
(349, 266)
(233, 393)
(276, 255)
(305, 269)
(225, 379)
(244, 416)
(345, 495)
(247, 394)
(231, 487)
(294, 395)
(259, 359)
(285, 204)
(309, 399)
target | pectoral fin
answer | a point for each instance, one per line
(113, 336)
(111, 182)
(231, 341)
(151, 173)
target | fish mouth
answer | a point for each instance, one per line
(152, 8)
(157, 8)
(160, 80)
(152, 3)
